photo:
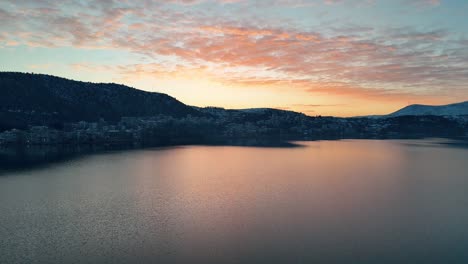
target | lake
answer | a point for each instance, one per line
(348, 201)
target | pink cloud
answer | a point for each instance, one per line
(345, 64)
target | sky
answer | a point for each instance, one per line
(319, 57)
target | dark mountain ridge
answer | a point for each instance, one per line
(59, 105)
(38, 99)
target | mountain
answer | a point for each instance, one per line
(37, 99)
(440, 110)
(28, 100)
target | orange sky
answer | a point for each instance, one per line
(319, 57)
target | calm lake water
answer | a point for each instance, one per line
(350, 201)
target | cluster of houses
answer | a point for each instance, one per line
(73, 133)
(168, 130)
(129, 130)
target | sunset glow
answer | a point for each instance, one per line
(319, 57)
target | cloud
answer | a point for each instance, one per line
(356, 61)
(427, 2)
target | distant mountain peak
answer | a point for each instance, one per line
(455, 109)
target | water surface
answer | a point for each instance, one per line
(351, 201)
